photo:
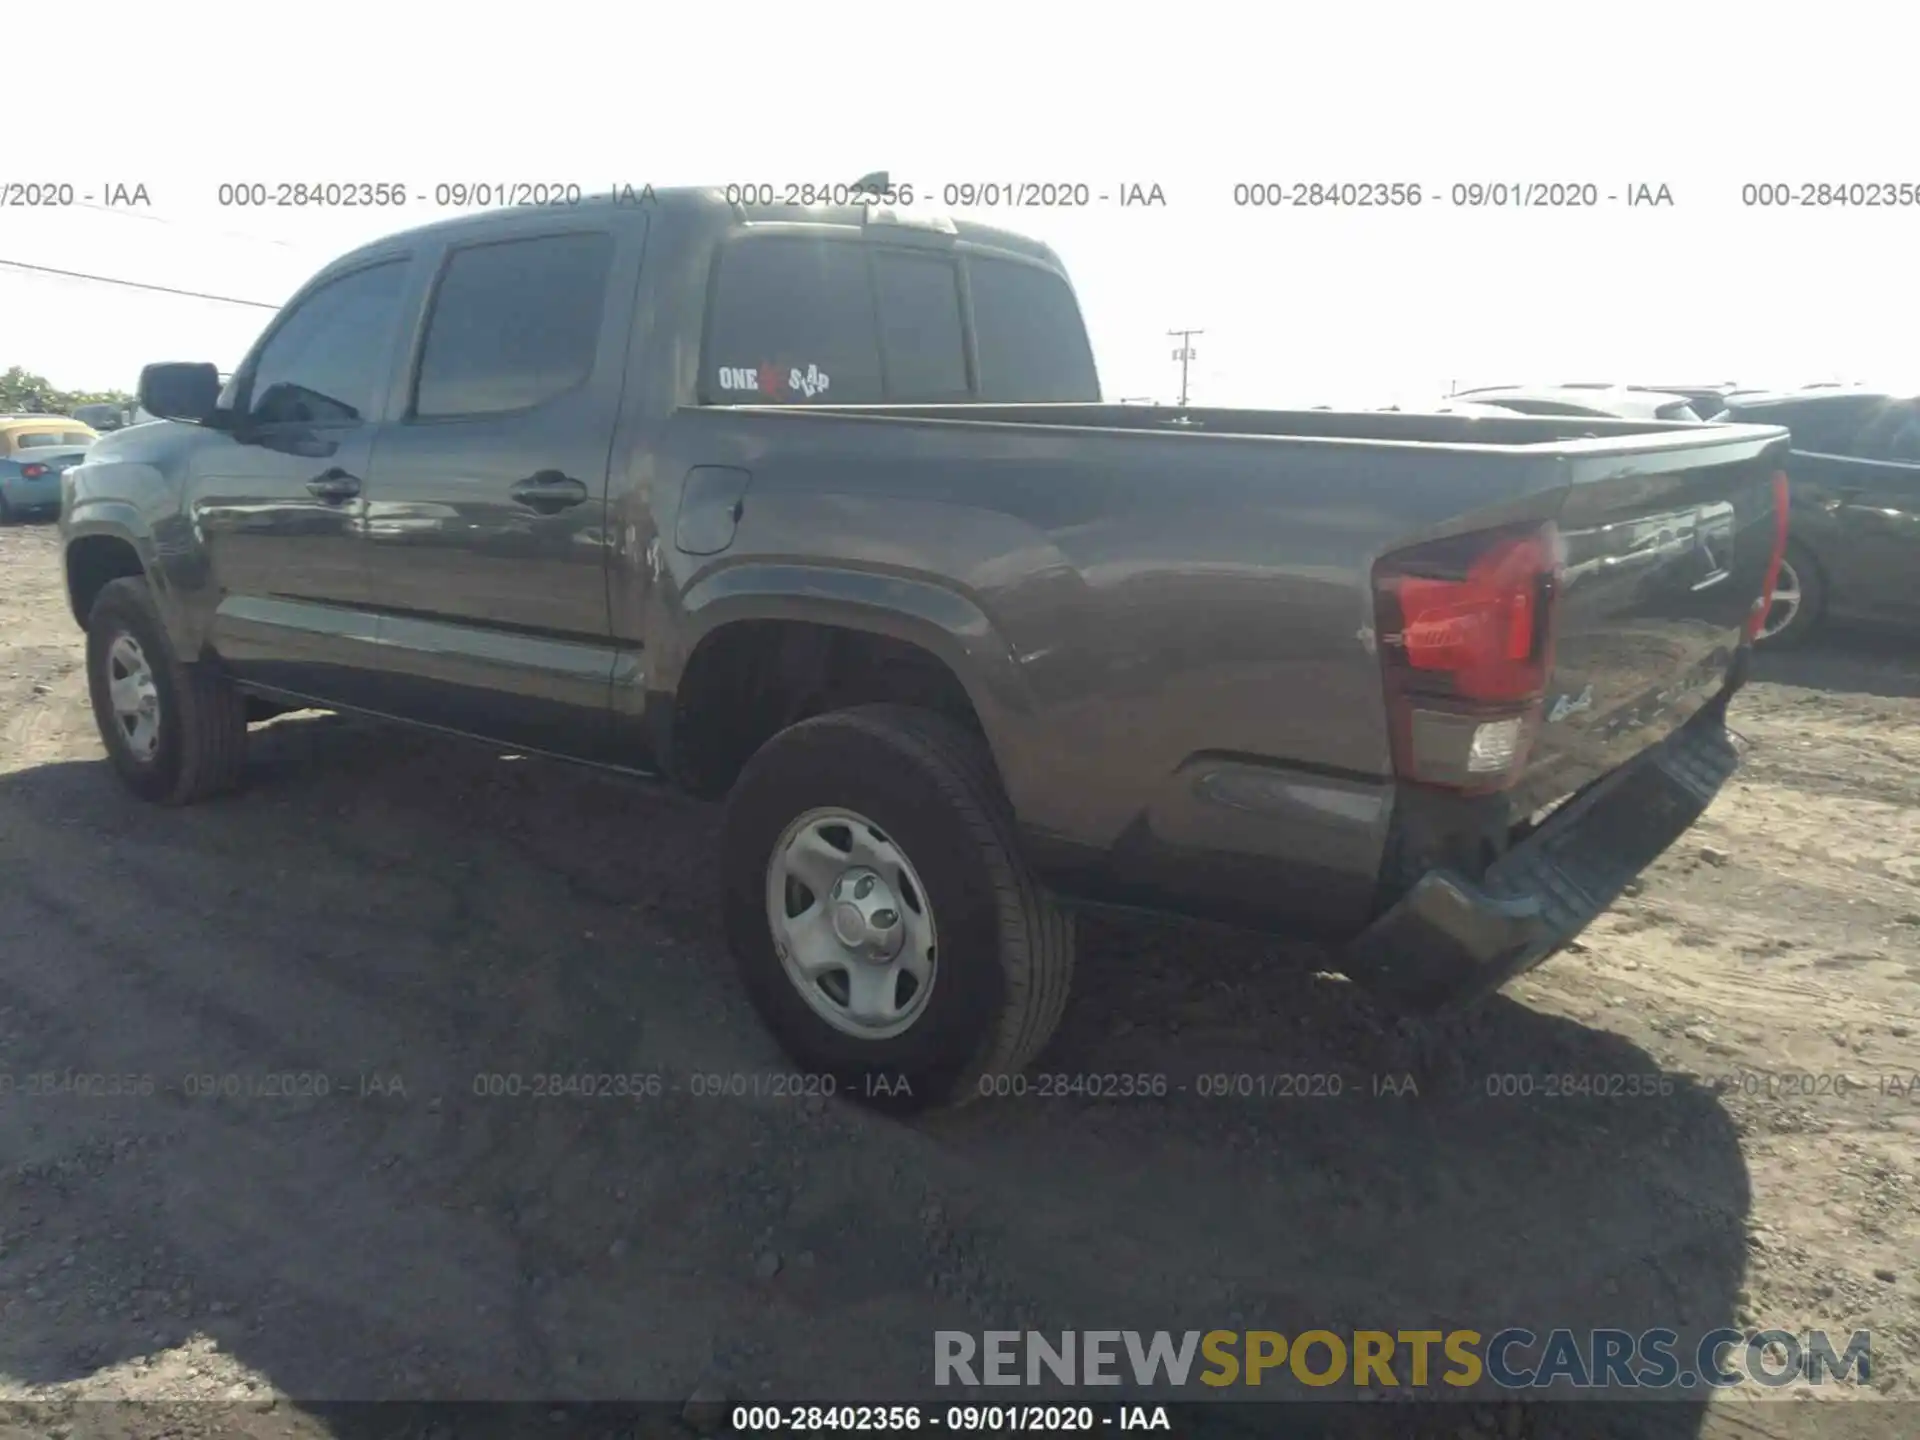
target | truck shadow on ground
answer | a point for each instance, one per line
(382, 908)
(1847, 662)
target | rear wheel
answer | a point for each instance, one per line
(1799, 596)
(884, 922)
(176, 733)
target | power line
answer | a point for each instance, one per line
(125, 213)
(137, 285)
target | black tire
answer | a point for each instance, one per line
(1800, 564)
(202, 742)
(1005, 945)
(6, 511)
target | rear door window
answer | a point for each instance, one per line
(1905, 445)
(792, 320)
(1905, 448)
(796, 320)
(514, 323)
(1890, 435)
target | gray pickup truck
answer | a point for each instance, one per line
(819, 510)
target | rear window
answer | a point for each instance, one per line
(800, 320)
(36, 439)
(923, 345)
(1031, 340)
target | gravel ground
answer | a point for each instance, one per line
(388, 917)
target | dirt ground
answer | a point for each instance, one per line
(401, 915)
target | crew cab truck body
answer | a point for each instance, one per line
(819, 511)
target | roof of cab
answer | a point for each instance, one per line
(711, 202)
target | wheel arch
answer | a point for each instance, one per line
(97, 544)
(825, 617)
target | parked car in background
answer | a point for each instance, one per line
(104, 417)
(1620, 402)
(1854, 542)
(1707, 401)
(34, 451)
(1451, 407)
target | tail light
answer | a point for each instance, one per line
(32, 472)
(1758, 617)
(1466, 629)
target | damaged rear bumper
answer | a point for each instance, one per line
(1450, 940)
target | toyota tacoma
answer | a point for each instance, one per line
(818, 511)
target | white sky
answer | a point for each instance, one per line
(1299, 307)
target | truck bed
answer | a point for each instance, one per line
(1372, 426)
(1155, 599)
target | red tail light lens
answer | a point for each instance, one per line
(1484, 628)
(1781, 496)
(32, 472)
(1466, 629)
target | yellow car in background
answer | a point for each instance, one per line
(35, 450)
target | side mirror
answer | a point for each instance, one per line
(178, 390)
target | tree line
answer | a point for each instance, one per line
(24, 393)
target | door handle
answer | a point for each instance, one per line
(548, 490)
(334, 485)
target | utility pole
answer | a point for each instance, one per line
(1184, 355)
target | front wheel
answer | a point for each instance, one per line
(885, 924)
(175, 733)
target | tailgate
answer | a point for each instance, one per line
(1585, 645)
(1663, 561)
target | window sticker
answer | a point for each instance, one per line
(774, 381)
(809, 382)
